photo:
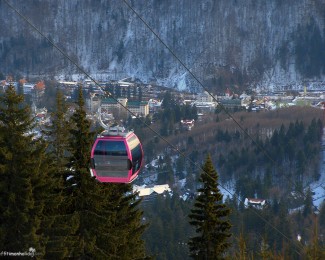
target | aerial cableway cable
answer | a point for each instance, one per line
(142, 121)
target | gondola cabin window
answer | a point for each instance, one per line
(111, 159)
(136, 153)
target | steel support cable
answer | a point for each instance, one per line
(143, 122)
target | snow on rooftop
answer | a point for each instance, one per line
(161, 188)
(145, 191)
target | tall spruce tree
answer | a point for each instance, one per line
(209, 216)
(23, 177)
(83, 198)
(58, 228)
(109, 221)
(122, 234)
(59, 134)
(315, 250)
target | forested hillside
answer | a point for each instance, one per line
(228, 43)
(275, 156)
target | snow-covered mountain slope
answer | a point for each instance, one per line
(226, 42)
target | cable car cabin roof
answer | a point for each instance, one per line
(116, 158)
(112, 137)
(115, 131)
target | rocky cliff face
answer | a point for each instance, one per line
(223, 43)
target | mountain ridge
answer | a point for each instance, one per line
(223, 43)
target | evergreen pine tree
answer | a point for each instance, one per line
(209, 217)
(59, 134)
(322, 215)
(109, 220)
(83, 198)
(121, 235)
(60, 226)
(315, 250)
(23, 177)
(242, 248)
(308, 203)
(265, 252)
(140, 94)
